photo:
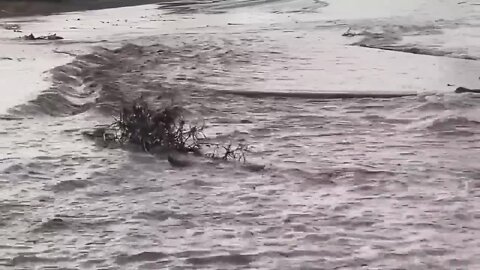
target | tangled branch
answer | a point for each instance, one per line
(165, 128)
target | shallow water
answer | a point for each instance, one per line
(349, 183)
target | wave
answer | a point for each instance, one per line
(223, 6)
(415, 49)
(453, 123)
(232, 259)
(91, 81)
(145, 256)
(319, 95)
(446, 101)
(388, 37)
(107, 79)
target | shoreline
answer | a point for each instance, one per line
(23, 8)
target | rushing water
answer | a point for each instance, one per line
(362, 183)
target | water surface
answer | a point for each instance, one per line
(364, 183)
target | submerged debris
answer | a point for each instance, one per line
(49, 37)
(348, 33)
(228, 152)
(466, 90)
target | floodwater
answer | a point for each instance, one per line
(353, 183)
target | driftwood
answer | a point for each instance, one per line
(467, 90)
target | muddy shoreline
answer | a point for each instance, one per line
(48, 7)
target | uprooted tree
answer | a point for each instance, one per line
(165, 129)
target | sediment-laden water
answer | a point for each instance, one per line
(354, 183)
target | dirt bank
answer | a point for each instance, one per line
(10, 8)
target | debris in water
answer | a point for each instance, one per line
(165, 130)
(466, 90)
(49, 37)
(348, 33)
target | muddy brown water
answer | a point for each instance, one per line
(353, 183)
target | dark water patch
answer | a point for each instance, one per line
(332, 177)
(319, 95)
(353, 223)
(223, 6)
(452, 123)
(52, 225)
(15, 168)
(162, 215)
(322, 179)
(254, 167)
(10, 118)
(419, 50)
(382, 119)
(444, 102)
(11, 213)
(70, 185)
(232, 259)
(97, 223)
(140, 257)
(197, 183)
(191, 253)
(457, 133)
(432, 106)
(32, 259)
(321, 238)
(387, 37)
